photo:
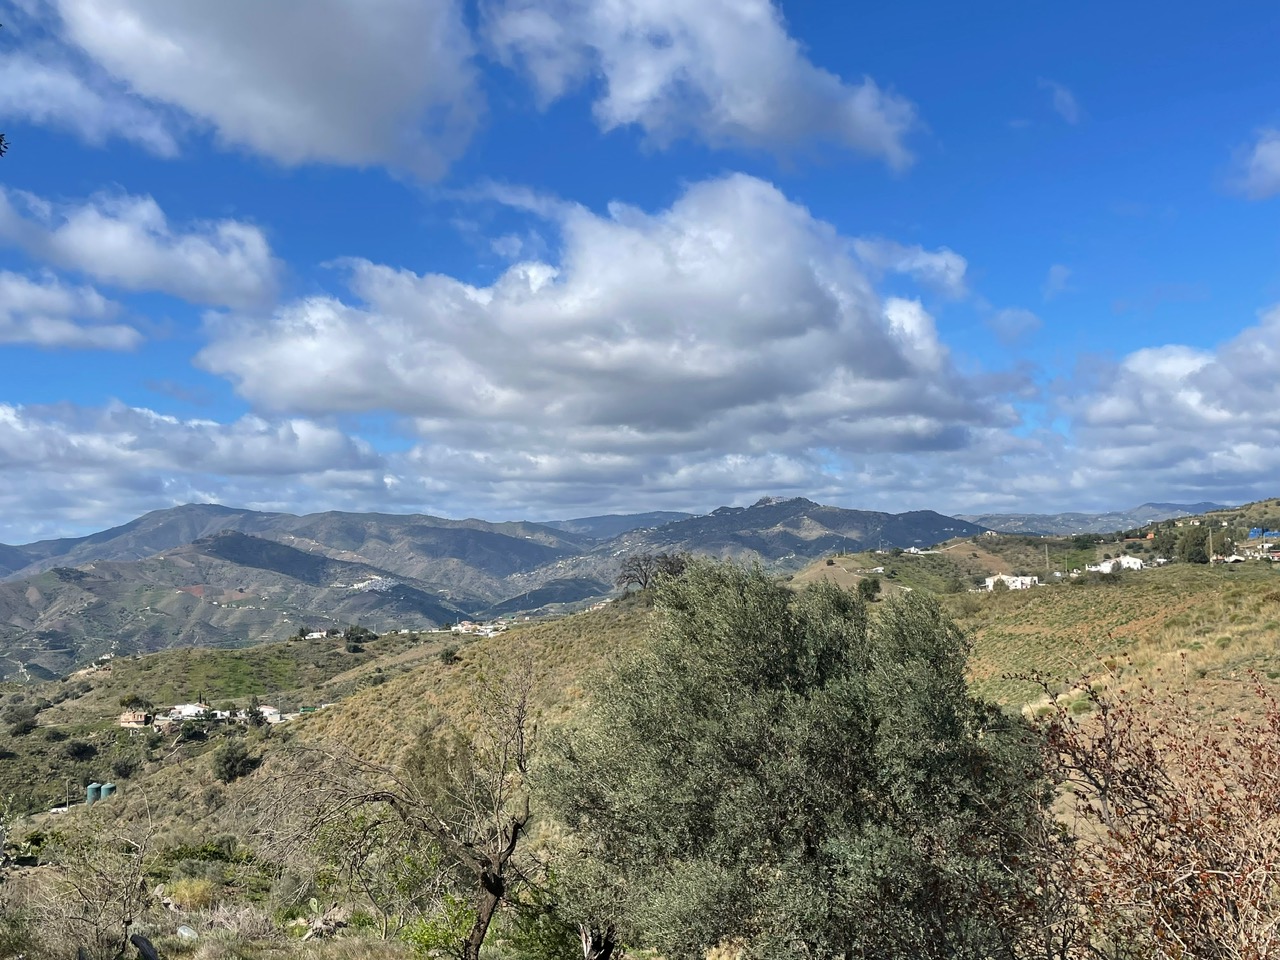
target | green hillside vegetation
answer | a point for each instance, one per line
(82, 710)
(958, 565)
(1260, 513)
(206, 575)
(1213, 624)
(1197, 632)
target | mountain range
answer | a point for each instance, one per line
(207, 574)
(1065, 524)
(211, 575)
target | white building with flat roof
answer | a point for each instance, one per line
(1013, 583)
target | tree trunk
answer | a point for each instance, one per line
(491, 892)
(599, 944)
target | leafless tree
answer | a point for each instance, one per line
(460, 797)
(638, 569)
(643, 569)
(96, 893)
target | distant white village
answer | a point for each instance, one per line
(1262, 545)
(170, 720)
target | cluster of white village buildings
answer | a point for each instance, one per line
(1262, 550)
(164, 721)
(1113, 565)
(476, 629)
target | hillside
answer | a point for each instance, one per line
(1260, 513)
(1200, 634)
(795, 530)
(213, 575)
(411, 544)
(1185, 625)
(613, 525)
(1058, 524)
(380, 693)
(226, 590)
(1197, 631)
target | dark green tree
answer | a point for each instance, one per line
(254, 715)
(869, 588)
(232, 761)
(1193, 545)
(1165, 543)
(779, 770)
(133, 701)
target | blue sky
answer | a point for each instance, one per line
(546, 258)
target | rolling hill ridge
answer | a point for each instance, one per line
(209, 575)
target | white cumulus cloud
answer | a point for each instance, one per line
(70, 468)
(1259, 174)
(51, 91)
(357, 82)
(128, 241)
(48, 313)
(942, 269)
(1199, 420)
(731, 327)
(725, 71)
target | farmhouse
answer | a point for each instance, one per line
(1013, 583)
(189, 711)
(135, 719)
(1119, 563)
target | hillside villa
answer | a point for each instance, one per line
(1118, 563)
(1011, 582)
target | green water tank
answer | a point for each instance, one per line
(92, 793)
(108, 789)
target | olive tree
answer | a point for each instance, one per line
(785, 773)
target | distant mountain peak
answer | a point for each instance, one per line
(783, 501)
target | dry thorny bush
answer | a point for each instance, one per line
(1177, 822)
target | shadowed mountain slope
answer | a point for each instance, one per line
(212, 575)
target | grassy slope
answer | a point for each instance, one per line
(1224, 622)
(380, 722)
(86, 705)
(1251, 514)
(957, 564)
(1217, 623)
(1195, 630)
(1207, 627)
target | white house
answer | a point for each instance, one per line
(1013, 583)
(1119, 563)
(189, 711)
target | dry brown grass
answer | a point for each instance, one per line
(1196, 628)
(380, 722)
